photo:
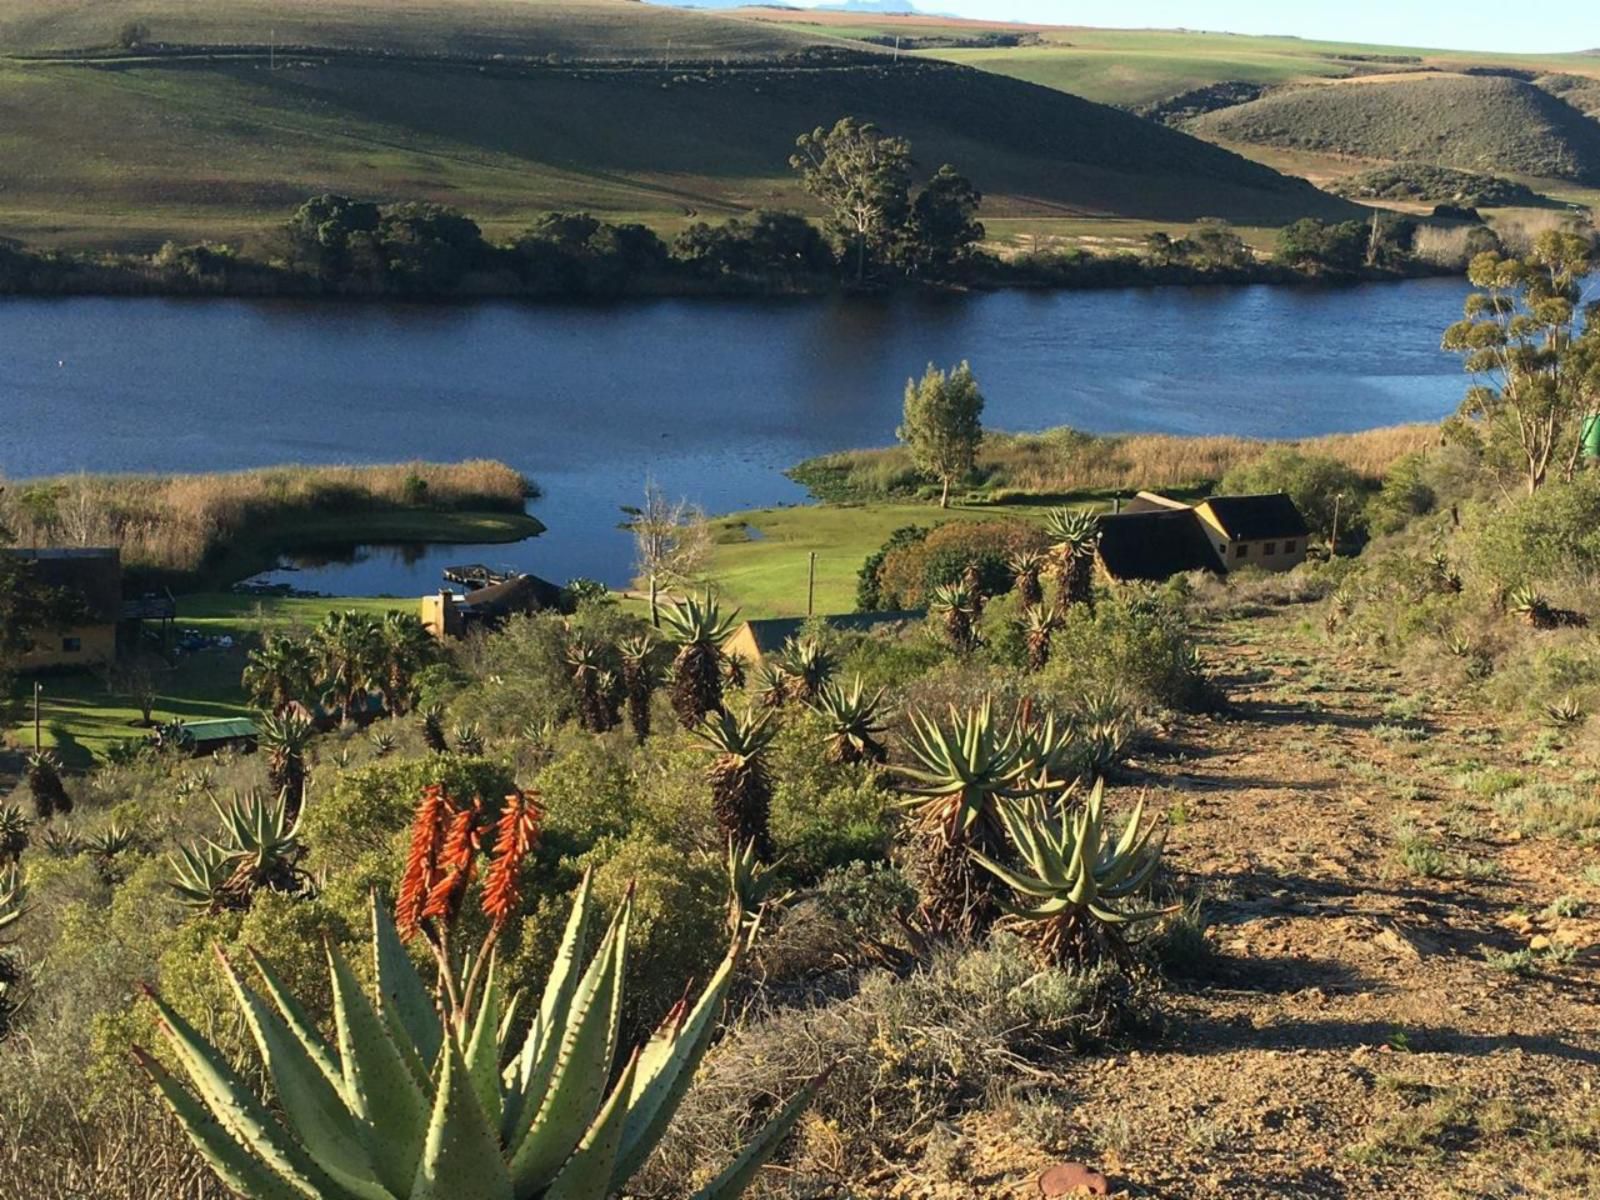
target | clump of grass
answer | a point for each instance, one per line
(174, 522)
(1550, 809)
(1066, 460)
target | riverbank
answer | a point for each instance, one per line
(200, 531)
(502, 273)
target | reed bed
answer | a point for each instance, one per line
(1064, 461)
(175, 522)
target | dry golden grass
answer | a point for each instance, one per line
(1062, 461)
(173, 522)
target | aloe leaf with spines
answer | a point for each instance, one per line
(1074, 880)
(1075, 535)
(699, 630)
(853, 718)
(428, 1096)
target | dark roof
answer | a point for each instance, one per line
(93, 575)
(1251, 518)
(523, 593)
(222, 729)
(772, 632)
(1155, 545)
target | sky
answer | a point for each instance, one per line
(1546, 26)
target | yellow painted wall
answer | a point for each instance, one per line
(97, 644)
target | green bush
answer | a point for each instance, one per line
(910, 572)
(1549, 537)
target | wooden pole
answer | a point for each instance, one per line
(811, 586)
(38, 740)
(1333, 542)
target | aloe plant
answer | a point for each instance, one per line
(14, 837)
(50, 795)
(286, 735)
(854, 720)
(1025, 567)
(962, 771)
(741, 787)
(588, 664)
(957, 606)
(809, 664)
(1039, 625)
(699, 630)
(1075, 880)
(258, 849)
(638, 681)
(433, 729)
(431, 1093)
(13, 978)
(1076, 537)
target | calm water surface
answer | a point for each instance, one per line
(710, 399)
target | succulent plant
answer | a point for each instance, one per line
(638, 681)
(13, 976)
(258, 848)
(14, 838)
(1026, 566)
(383, 743)
(433, 729)
(750, 882)
(954, 603)
(854, 721)
(1076, 536)
(699, 630)
(44, 782)
(469, 739)
(285, 736)
(1039, 624)
(107, 846)
(773, 685)
(59, 841)
(972, 580)
(961, 772)
(735, 669)
(13, 895)
(1074, 879)
(809, 664)
(1565, 712)
(426, 1094)
(588, 663)
(741, 789)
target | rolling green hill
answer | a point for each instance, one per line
(205, 132)
(586, 30)
(1472, 122)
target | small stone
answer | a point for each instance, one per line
(1073, 1179)
(1538, 942)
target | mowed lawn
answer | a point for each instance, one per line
(83, 713)
(762, 557)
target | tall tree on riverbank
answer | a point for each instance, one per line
(863, 177)
(942, 424)
(1539, 370)
(672, 543)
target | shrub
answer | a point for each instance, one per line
(909, 573)
(1548, 537)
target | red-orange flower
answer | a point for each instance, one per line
(515, 834)
(422, 866)
(456, 863)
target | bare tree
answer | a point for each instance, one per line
(672, 542)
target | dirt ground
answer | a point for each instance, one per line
(1404, 997)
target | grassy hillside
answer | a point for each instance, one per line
(588, 30)
(1479, 123)
(129, 149)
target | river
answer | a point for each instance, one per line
(711, 399)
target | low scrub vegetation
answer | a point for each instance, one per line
(1069, 462)
(176, 523)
